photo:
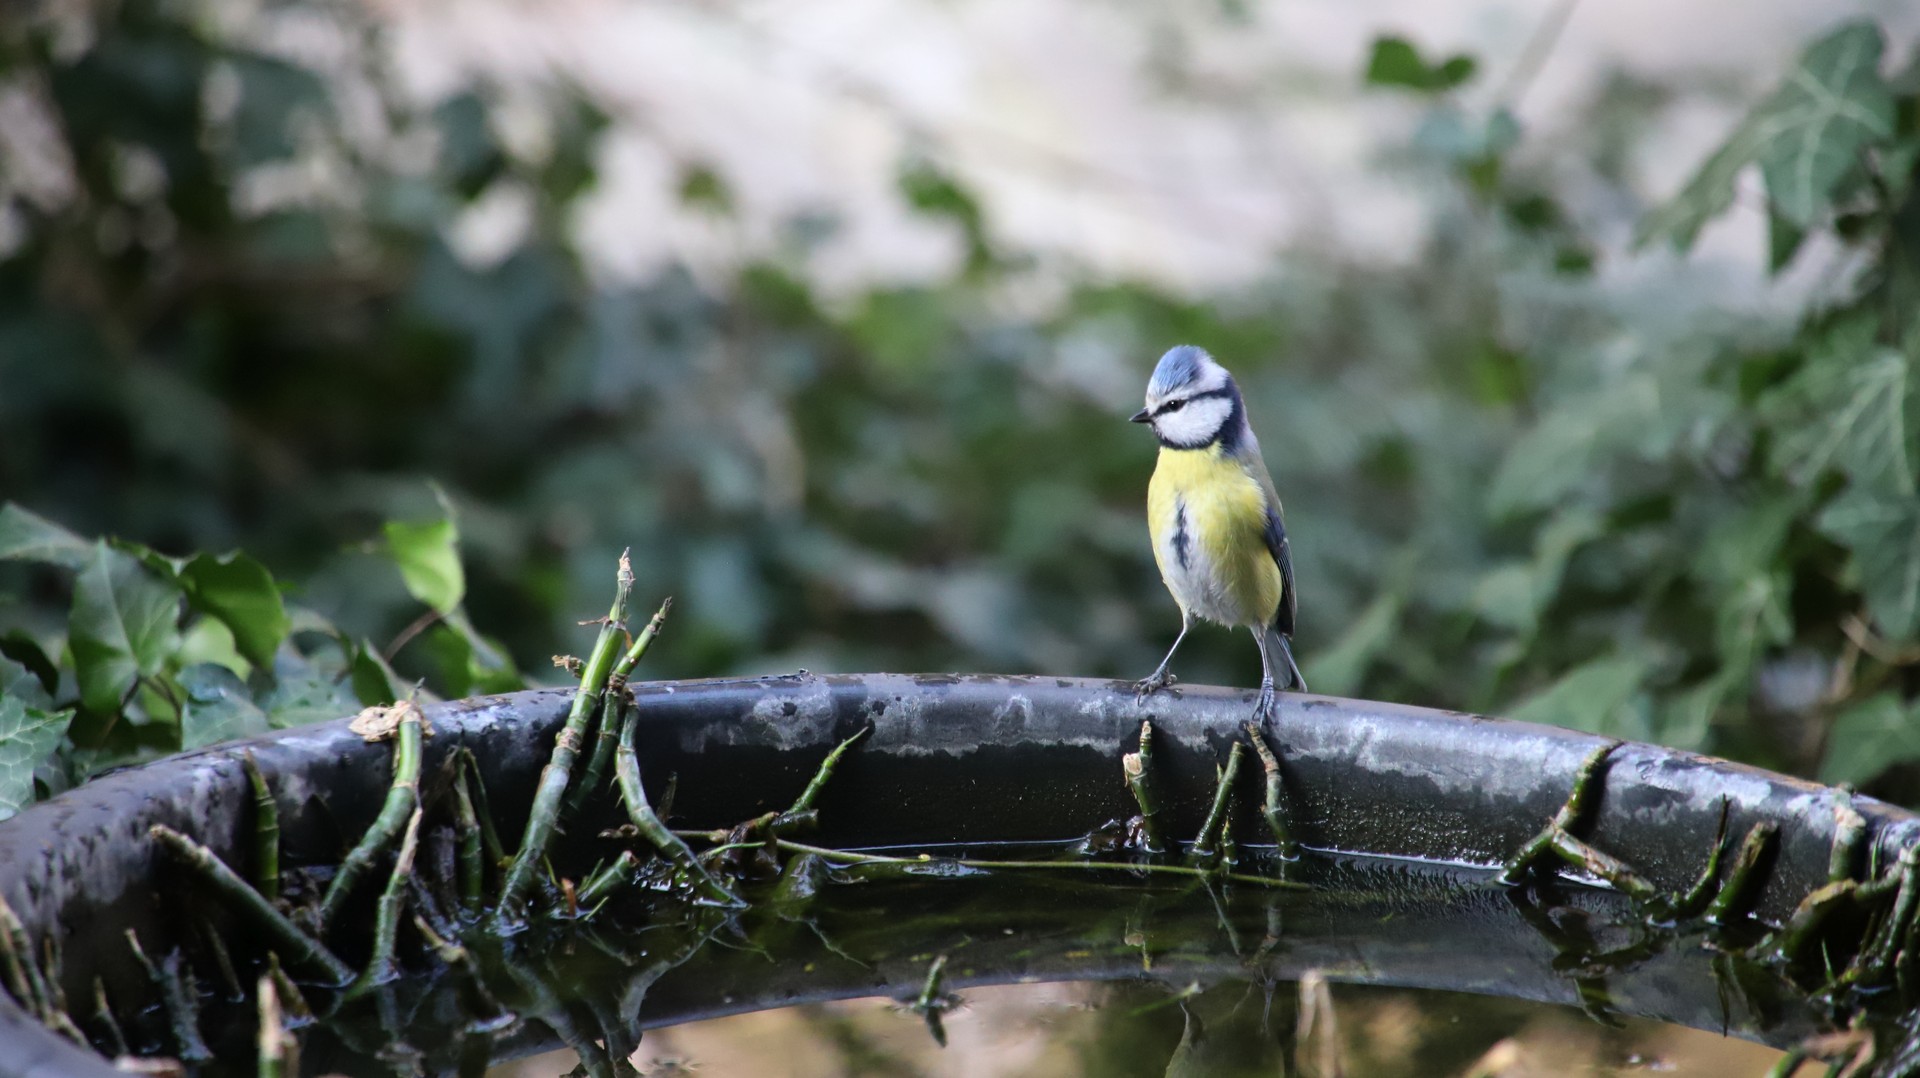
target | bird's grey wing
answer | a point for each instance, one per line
(1276, 534)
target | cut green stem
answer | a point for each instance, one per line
(469, 858)
(277, 1049)
(609, 715)
(804, 802)
(1275, 791)
(266, 832)
(1204, 850)
(1572, 813)
(386, 923)
(403, 797)
(1138, 769)
(552, 788)
(305, 952)
(1695, 898)
(1737, 895)
(634, 795)
(103, 1018)
(1849, 835)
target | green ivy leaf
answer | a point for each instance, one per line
(1805, 137)
(241, 593)
(1340, 669)
(1594, 697)
(217, 708)
(469, 662)
(1869, 737)
(1396, 62)
(428, 554)
(1883, 532)
(27, 736)
(1513, 595)
(25, 536)
(1846, 411)
(20, 683)
(124, 625)
(374, 682)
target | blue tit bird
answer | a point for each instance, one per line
(1218, 536)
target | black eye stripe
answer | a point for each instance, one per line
(1176, 405)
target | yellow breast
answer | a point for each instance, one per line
(1209, 518)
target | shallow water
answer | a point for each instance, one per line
(1066, 1029)
(1383, 967)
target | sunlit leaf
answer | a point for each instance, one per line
(1596, 697)
(27, 736)
(124, 625)
(428, 555)
(241, 593)
(1870, 737)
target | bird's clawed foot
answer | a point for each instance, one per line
(1263, 705)
(1152, 683)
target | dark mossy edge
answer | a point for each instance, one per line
(952, 758)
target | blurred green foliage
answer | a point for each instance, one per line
(1515, 485)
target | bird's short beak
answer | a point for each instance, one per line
(1140, 416)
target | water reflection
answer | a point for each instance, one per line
(1382, 968)
(1100, 1029)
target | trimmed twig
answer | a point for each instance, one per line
(222, 961)
(386, 922)
(1791, 943)
(1203, 849)
(481, 1000)
(469, 857)
(403, 797)
(293, 1003)
(103, 1018)
(600, 885)
(56, 1016)
(1736, 895)
(1849, 835)
(266, 832)
(1604, 865)
(278, 1050)
(477, 792)
(1691, 902)
(545, 815)
(805, 801)
(933, 1002)
(634, 795)
(909, 863)
(1275, 791)
(1138, 769)
(1571, 814)
(307, 953)
(609, 717)
(23, 973)
(183, 1008)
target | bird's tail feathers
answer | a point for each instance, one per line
(1286, 648)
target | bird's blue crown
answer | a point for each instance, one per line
(1179, 367)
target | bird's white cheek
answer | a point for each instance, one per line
(1197, 423)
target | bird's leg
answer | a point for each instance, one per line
(1263, 706)
(1160, 679)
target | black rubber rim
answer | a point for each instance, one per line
(952, 758)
